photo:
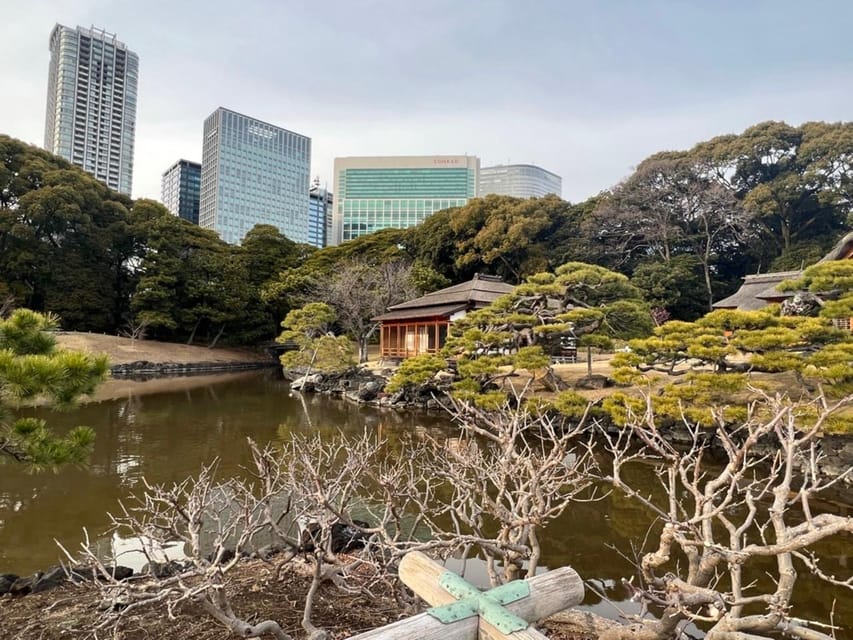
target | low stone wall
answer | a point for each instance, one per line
(144, 368)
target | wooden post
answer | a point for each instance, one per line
(550, 593)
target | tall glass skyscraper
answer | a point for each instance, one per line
(519, 180)
(319, 216)
(180, 189)
(376, 193)
(91, 103)
(252, 173)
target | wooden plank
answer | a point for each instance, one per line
(423, 627)
(550, 593)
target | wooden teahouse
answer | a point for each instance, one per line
(420, 325)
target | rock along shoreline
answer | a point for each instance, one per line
(146, 369)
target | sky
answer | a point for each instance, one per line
(584, 89)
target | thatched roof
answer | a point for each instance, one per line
(477, 293)
(756, 290)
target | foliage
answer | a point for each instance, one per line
(31, 369)
(579, 304)
(415, 371)
(309, 328)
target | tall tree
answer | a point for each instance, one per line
(668, 208)
(795, 180)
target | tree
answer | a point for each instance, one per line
(359, 291)
(32, 368)
(676, 287)
(579, 304)
(729, 521)
(264, 254)
(309, 328)
(190, 281)
(795, 181)
(668, 208)
(65, 241)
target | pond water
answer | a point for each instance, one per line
(168, 435)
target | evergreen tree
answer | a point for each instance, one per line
(32, 368)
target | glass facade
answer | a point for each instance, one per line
(381, 193)
(91, 103)
(519, 180)
(253, 173)
(319, 216)
(180, 189)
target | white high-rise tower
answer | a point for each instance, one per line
(91, 103)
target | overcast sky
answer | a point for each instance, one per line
(584, 89)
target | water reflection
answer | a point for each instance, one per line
(167, 436)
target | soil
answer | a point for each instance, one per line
(256, 595)
(124, 350)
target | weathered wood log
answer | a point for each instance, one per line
(549, 593)
(423, 627)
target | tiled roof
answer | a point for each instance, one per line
(755, 291)
(478, 292)
(420, 312)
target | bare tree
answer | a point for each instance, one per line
(507, 475)
(298, 503)
(725, 519)
(359, 291)
(135, 329)
(491, 489)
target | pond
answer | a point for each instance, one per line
(168, 435)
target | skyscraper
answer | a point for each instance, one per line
(91, 103)
(519, 180)
(319, 216)
(253, 172)
(376, 193)
(180, 189)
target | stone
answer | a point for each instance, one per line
(344, 537)
(369, 390)
(595, 381)
(23, 586)
(50, 579)
(6, 582)
(444, 378)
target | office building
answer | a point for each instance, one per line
(319, 216)
(91, 103)
(253, 172)
(519, 180)
(180, 189)
(373, 193)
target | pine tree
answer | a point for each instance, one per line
(33, 369)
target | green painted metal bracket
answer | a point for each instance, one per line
(489, 605)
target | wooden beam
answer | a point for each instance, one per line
(423, 627)
(549, 593)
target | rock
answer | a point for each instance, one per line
(23, 586)
(164, 569)
(268, 551)
(6, 582)
(444, 378)
(595, 381)
(343, 536)
(370, 390)
(50, 579)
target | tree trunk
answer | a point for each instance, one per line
(192, 333)
(362, 349)
(218, 335)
